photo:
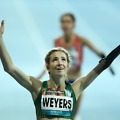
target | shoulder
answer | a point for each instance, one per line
(77, 86)
(36, 83)
(82, 39)
(33, 78)
(58, 38)
(78, 37)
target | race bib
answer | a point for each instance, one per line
(56, 105)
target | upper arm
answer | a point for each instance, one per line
(84, 82)
(88, 79)
(23, 79)
(91, 76)
(80, 84)
(89, 44)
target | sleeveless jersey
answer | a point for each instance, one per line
(52, 103)
(75, 49)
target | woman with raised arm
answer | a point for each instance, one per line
(54, 99)
(75, 45)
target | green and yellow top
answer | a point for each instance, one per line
(52, 103)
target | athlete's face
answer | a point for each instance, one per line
(67, 24)
(58, 64)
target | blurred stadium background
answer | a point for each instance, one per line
(30, 29)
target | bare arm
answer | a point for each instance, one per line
(96, 50)
(84, 82)
(11, 69)
(90, 77)
(90, 45)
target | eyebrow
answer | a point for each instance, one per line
(63, 57)
(57, 57)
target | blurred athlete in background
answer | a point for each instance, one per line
(74, 44)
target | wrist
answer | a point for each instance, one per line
(102, 55)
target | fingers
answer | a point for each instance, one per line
(2, 27)
(2, 23)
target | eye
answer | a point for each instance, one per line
(55, 59)
(63, 59)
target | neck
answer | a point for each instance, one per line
(58, 81)
(68, 37)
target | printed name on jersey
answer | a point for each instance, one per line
(62, 103)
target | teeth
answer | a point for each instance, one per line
(59, 68)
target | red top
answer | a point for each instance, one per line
(74, 48)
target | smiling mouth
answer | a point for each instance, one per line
(59, 68)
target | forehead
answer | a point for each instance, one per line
(58, 54)
(66, 18)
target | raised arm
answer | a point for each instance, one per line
(11, 69)
(84, 82)
(98, 52)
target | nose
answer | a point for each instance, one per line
(59, 61)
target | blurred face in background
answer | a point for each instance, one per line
(67, 24)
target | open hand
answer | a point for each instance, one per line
(2, 27)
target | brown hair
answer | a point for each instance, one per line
(47, 58)
(70, 15)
